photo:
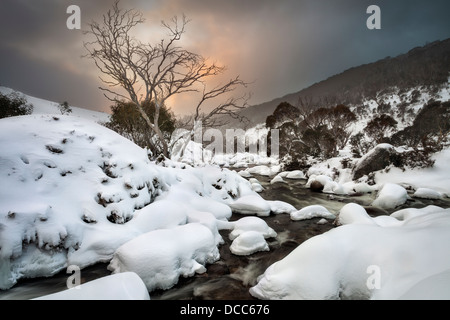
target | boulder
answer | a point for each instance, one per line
(376, 159)
(316, 186)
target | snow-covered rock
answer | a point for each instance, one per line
(160, 257)
(276, 179)
(376, 159)
(427, 193)
(278, 207)
(296, 174)
(248, 243)
(251, 224)
(251, 204)
(390, 196)
(313, 211)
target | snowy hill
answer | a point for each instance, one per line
(41, 106)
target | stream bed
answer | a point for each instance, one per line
(231, 277)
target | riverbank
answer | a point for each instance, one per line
(231, 277)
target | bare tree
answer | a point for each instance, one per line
(140, 72)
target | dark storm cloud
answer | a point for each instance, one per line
(283, 46)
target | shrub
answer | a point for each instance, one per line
(13, 105)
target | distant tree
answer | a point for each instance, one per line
(359, 145)
(340, 119)
(380, 127)
(14, 105)
(64, 108)
(127, 121)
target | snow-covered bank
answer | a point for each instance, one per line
(367, 259)
(72, 192)
(121, 286)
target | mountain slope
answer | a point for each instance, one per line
(422, 66)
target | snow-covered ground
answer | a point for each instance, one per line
(74, 193)
(41, 106)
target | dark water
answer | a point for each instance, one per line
(231, 277)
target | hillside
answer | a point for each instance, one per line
(422, 66)
(41, 106)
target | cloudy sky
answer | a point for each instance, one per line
(280, 47)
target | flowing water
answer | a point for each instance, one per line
(231, 277)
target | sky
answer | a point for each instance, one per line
(279, 47)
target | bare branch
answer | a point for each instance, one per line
(153, 72)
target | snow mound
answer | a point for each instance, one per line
(251, 204)
(160, 257)
(264, 170)
(353, 213)
(121, 286)
(296, 174)
(278, 207)
(249, 242)
(276, 179)
(313, 211)
(390, 196)
(426, 193)
(251, 224)
(319, 269)
(329, 186)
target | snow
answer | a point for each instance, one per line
(160, 257)
(426, 193)
(251, 204)
(75, 193)
(436, 177)
(276, 179)
(313, 211)
(296, 174)
(387, 263)
(121, 286)
(43, 107)
(390, 196)
(264, 170)
(251, 224)
(329, 186)
(277, 207)
(72, 192)
(249, 242)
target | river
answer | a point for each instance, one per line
(231, 277)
